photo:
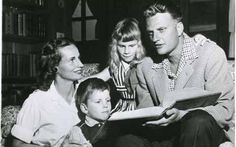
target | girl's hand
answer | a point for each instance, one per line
(199, 39)
(226, 144)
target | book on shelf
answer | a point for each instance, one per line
(24, 23)
(19, 65)
(181, 99)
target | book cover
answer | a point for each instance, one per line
(181, 99)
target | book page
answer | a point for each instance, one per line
(181, 99)
(190, 98)
(150, 112)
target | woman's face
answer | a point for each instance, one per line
(127, 50)
(70, 67)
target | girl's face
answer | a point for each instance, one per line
(127, 50)
(70, 67)
(99, 105)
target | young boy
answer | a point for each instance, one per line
(94, 106)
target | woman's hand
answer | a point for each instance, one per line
(199, 39)
(76, 139)
(171, 116)
(77, 145)
(69, 144)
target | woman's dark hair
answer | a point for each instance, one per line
(164, 6)
(49, 59)
(85, 89)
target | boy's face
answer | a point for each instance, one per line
(99, 105)
(164, 32)
(127, 50)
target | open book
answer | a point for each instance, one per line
(181, 99)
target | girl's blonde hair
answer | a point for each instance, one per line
(125, 30)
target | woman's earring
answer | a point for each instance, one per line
(55, 69)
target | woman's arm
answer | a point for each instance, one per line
(18, 143)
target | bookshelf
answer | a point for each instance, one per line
(208, 17)
(24, 31)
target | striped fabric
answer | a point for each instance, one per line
(127, 100)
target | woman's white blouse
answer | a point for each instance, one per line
(45, 118)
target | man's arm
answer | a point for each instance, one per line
(143, 94)
(218, 78)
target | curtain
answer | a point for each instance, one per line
(232, 28)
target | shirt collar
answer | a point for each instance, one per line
(92, 122)
(189, 50)
(55, 93)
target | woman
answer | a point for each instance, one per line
(49, 113)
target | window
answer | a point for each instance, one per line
(83, 23)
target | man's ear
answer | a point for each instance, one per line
(83, 108)
(180, 28)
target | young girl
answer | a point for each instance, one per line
(94, 106)
(126, 50)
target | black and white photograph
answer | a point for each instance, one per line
(117, 73)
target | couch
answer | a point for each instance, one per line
(10, 112)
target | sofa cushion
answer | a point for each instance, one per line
(90, 69)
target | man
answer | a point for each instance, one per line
(184, 65)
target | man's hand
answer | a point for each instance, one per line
(171, 116)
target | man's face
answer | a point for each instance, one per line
(127, 50)
(99, 105)
(163, 32)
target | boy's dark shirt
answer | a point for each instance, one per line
(105, 138)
